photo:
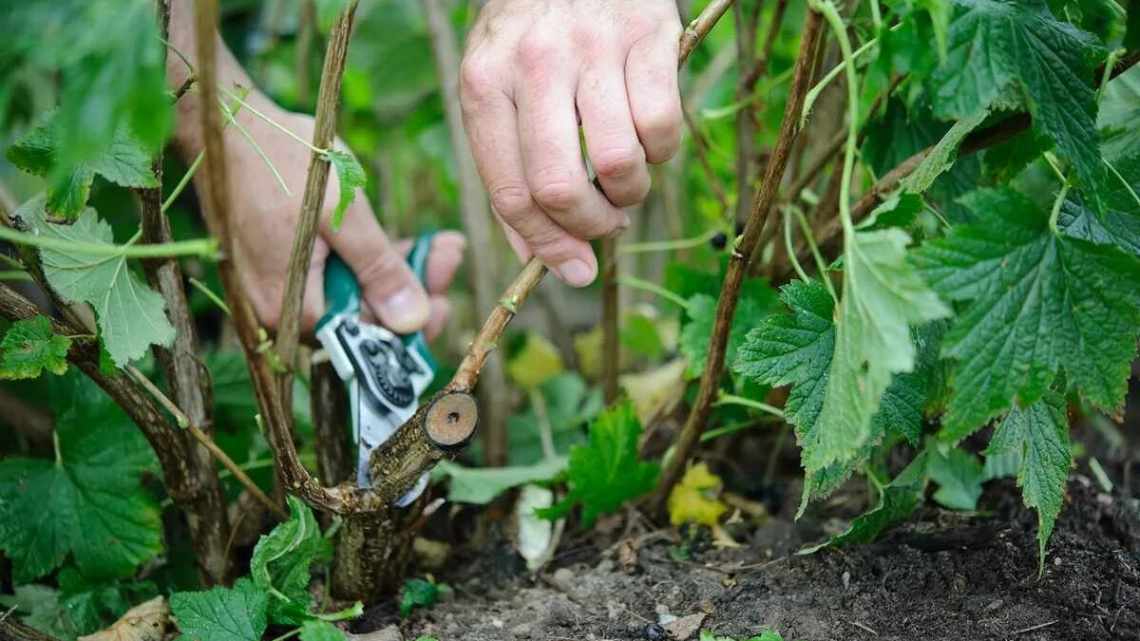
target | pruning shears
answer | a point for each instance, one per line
(385, 372)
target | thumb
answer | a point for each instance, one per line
(390, 289)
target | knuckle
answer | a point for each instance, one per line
(510, 201)
(557, 194)
(386, 266)
(619, 162)
(661, 131)
(535, 52)
(475, 79)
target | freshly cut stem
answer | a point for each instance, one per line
(763, 202)
(467, 374)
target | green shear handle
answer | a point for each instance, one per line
(342, 291)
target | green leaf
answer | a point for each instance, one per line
(570, 405)
(131, 316)
(123, 161)
(281, 561)
(40, 607)
(959, 475)
(1038, 433)
(883, 295)
(350, 177)
(30, 347)
(606, 472)
(108, 60)
(1120, 110)
(317, 630)
(89, 504)
(943, 154)
(221, 614)
(417, 593)
(1004, 55)
(756, 300)
(903, 131)
(1119, 225)
(1033, 303)
(794, 350)
(639, 334)
(327, 11)
(897, 500)
(797, 350)
(480, 486)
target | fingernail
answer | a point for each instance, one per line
(576, 272)
(405, 311)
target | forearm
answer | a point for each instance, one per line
(230, 76)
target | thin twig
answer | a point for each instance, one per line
(1034, 628)
(738, 265)
(861, 626)
(700, 26)
(204, 439)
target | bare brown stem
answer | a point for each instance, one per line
(206, 442)
(312, 203)
(746, 26)
(611, 349)
(765, 197)
(477, 223)
(700, 27)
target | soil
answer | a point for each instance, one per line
(941, 576)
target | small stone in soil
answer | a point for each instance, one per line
(653, 632)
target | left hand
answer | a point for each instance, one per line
(535, 68)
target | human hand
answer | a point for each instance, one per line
(532, 70)
(265, 220)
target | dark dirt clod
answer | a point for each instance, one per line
(944, 576)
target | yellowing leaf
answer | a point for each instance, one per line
(537, 362)
(656, 392)
(694, 499)
(588, 349)
(144, 622)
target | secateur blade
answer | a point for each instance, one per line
(385, 373)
